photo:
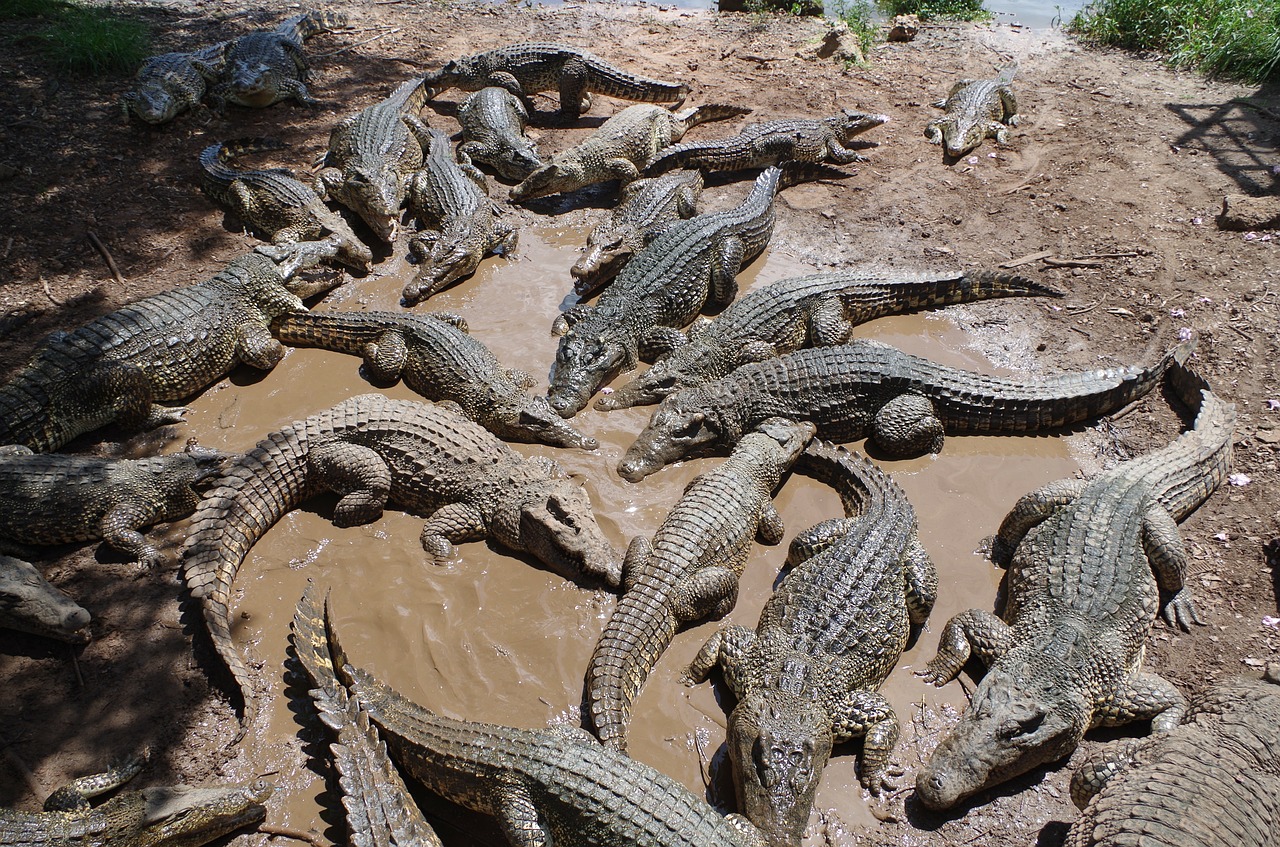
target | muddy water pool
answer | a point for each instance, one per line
(496, 638)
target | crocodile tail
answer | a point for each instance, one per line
(615, 82)
(339, 333)
(249, 497)
(301, 27)
(1190, 482)
(989, 285)
(311, 646)
(215, 158)
(1005, 77)
(713, 112)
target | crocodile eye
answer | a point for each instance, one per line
(691, 427)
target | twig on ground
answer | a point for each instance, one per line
(1080, 310)
(357, 44)
(1054, 262)
(102, 249)
(75, 664)
(44, 283)
(1026, 260)
(296, 834)
(1129, 254)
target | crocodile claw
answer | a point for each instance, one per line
(1181, 611)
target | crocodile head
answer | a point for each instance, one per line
(607, 249)
(533, 419)
(1015, 722)
(551, 178)
(182, 815)
(517, 159)
(443, 258)
(208, 462)
(151, 104)
(374, 194)
(28, 603)
(256, 84)
(960, 135)
(679, 428)
(584, 362)
(850, 123)
(779, 744)
(664, 378)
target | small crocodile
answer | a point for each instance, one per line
(493, 121)
(864, 389)
(645, 208)
(551, 786)
(374, 451)
(807, 677)
(529, 67)
(371, 155)
(450, 195)
(276, 204)
(53, 498)
(380, 810)
(160, 816)
(819, 310)
(1213, 781)
(690, 570)
(1090, 560)
(975, 109)
(168, 85)
(162, 348)
(619, 149)
(774, 143)
(267, 66)
(437, 358)
(691, 264)
(28, 603)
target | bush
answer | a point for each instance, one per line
(1231, 38)
(860, 16)
(961, 10)
(82, 39)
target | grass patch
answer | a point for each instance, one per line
(1231, 38)
(82, 39)
(959, 10)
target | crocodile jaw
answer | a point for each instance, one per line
(582, 365)
(557, 526)
(30, 604)
(673, 433)
(152, 105)
(184, 815)
(1013, 724)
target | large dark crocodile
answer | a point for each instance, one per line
(690, 571)
(645, 208)
(975, 109)
(168, 85)
(162, 348)
(267, 66)
(1213, 781)
(451, 196)
(807, 677)
(552, 786)
(493, 121)
(529, 67)
(52, 498)
(374, 452)
(276, 204)
(1090, 560)
(691, 264)
(161, 816)
(819, 310)
(371, 155)
(864, 389)
(619, 149)
(436, 357)
(28, 603)
(774, 143)
(380, 810)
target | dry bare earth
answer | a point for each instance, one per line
(1118, 163)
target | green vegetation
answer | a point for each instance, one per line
(1231, 38)
(860, 16)
(961, 10)
(82, 39)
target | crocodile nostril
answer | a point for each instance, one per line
(76, 620)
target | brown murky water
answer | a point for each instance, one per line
(494, 638)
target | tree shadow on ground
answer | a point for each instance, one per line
(1242, 135)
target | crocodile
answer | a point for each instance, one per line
(380, 811)
(28, 603)
(373, 451)
(555, 785)
(904, 403)
(690, 570)
(161, 348)
(168, 85)
(773, 143)
(437, 358)
(691, 264)
(276, 204)
(975, 109)
(450, 195)
(264, 67)
(493, 121)
(808, 677)
(529, 67)
(818, 310)
(619, 149)
(54, 498)
(645, 208)
(1213, 781)
(371, 155)
(159, 816)
(1087, 563)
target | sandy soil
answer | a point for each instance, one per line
(1118, 169)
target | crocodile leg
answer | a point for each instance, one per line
(908, 426)
(385, 357)
(451, 524)
(998, 131)
(841, 155)
(120, 530)
(257, 348)
(922, 583)
(868, 715)
(1009, 102)
(1100, 766)
(358, 474)
(818, 538)
(1168, 557)
(1140, 696)
(770, 529)
(828, 325)
(1030, 510)
(933, 130)
(660, 341)
(706, 593)
(517, 815)
(972, 633)
(622, 169)
(726, 648)
(574, 97)
(725, 264)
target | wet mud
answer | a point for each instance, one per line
(496, 638)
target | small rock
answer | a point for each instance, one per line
(904, 28)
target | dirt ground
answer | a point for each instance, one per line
(1113, 178)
